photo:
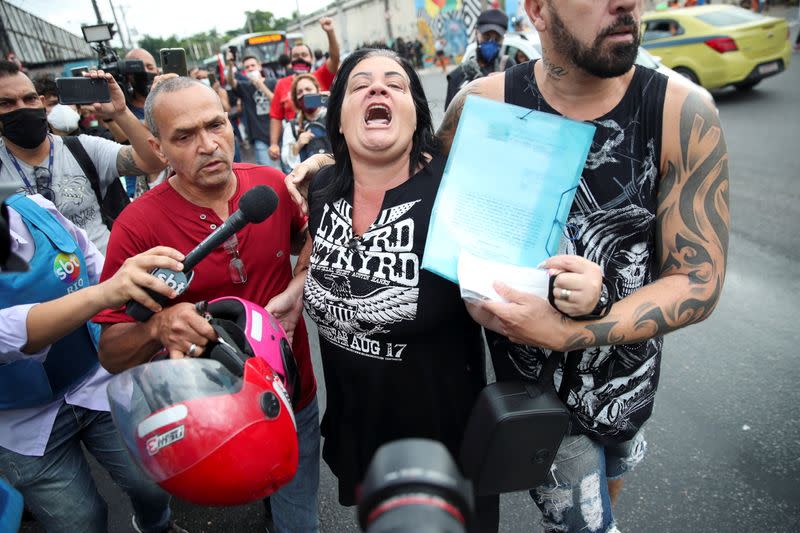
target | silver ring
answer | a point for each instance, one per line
(565, 294)
(191, 350)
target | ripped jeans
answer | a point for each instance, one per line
(574, 497)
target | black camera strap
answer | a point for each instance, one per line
(570, 368)
(116, 197)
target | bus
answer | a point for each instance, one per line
(265, 46)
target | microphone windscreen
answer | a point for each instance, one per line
(258, 203)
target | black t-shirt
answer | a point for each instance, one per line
(256, 108)
(612, 222)
(401, 356)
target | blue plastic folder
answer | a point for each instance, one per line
(507, 188)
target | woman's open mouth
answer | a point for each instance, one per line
(378, 115)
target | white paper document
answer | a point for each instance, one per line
(476, 278)
(506, 192)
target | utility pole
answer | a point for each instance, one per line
(127, 28)
(388, 21)
(119, 28)
(97, 12)
(300, 18)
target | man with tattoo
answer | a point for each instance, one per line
(38, 162)
(651, 211)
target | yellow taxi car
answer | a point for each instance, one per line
(718, 45)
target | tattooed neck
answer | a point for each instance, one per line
(552, 70)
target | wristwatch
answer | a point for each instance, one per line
(604, 303)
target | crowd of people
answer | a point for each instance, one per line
(350, 149)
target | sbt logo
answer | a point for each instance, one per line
(175, 280)
(67, 267)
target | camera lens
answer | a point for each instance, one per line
(414, 486)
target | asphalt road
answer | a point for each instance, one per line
(724, 441)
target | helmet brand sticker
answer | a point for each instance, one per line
(256, 325)
(155, 443)
(284, 396)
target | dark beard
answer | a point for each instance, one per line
(593, 60)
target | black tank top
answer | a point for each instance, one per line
(612, 222)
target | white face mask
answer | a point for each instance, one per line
(63, 118)
(254, 74)
(205, 81)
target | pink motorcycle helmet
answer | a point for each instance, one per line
(260, 335)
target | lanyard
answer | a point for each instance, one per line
(22, 174)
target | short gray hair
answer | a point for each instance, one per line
(167, 86)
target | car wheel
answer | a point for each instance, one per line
(746, 86)
(688, 74)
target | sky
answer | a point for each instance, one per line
(162, 18)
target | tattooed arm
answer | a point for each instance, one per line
(490, 87)
(138, 158)
(691, 246)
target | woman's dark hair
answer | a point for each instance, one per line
(423, 141)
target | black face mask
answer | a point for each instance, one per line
(301, 66)
(26, 127)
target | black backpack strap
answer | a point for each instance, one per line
(87, 165)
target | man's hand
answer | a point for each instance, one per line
(298, 179)
(305, 138)
(274, 152)
(326, 23)
(524, 318)
(117, 105)
(229, 60)
(133, 278)
(161, 78)
(179, 327)
(578, 283)
(287, 308)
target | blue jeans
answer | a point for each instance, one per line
(58, 487)
(574, 497)
(261, 149)
(294, 506)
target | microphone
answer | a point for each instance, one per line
(255, 206)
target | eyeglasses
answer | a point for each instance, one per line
(43, 179)
(236, 266)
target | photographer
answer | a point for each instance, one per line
(306, 135)
(140, 83)
(52, 388)
(38, 162)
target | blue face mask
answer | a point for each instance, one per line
(488, 50)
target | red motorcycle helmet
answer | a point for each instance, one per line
(217, 430)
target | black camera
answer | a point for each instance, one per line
(98, 37)
(414, 486)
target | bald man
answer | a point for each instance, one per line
(141, 82)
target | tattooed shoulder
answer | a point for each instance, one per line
(126, 163)
(447, 130)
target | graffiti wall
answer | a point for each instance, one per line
(453, 21)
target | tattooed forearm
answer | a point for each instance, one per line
(447, 130)
(126, 164)
(691, 240)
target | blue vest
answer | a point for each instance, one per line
(57, 268)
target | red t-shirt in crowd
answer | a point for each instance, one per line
(162, 217)
(282, 107)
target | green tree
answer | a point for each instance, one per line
(258, 20)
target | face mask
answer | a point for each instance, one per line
(63, 118)
(26, 127)
(301, 65)
(253, 74)
(205, 82)
(488, 50)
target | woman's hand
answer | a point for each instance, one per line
(577, 285)
(298, 179)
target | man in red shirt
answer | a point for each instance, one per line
(192, 133)
(282, 107)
